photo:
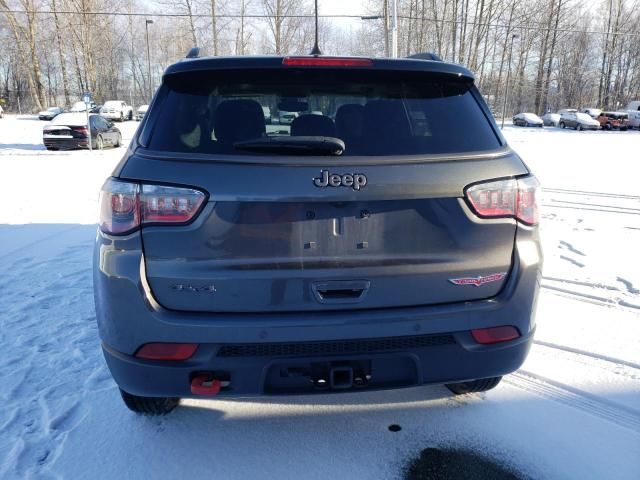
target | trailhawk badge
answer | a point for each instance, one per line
(477, 281)
(353, 180)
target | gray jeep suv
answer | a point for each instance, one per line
(388, 239)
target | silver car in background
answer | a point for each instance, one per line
(527, 120)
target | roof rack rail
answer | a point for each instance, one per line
(425, 56)
(193, 53)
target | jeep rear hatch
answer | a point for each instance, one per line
(385, 224)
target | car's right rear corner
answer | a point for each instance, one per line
(287, 271)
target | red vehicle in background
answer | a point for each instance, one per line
(614, 120)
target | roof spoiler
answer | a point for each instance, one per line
(425, 56)
(193, 53)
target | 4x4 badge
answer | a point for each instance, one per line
(353, 180)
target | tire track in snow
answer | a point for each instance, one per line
(590, 194)
(574, 398)
(591, 201)
(577, 351)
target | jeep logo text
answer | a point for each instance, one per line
(353, 180)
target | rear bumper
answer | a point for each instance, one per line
(129, 317)
(66, 143)
(251, 374)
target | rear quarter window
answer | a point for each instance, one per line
(374, 112)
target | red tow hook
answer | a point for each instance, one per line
(204, 385)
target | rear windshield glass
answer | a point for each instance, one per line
(373, 113)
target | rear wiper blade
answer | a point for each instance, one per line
(293, 145)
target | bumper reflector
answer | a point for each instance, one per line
(167, 351)
(488, 336)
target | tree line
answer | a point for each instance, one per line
(558, 53)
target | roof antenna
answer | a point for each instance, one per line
(316, 49)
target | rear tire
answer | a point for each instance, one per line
(562, 125)
(149, 405)
(473, 386)
(579, 127)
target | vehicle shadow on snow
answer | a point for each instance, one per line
(22, 146)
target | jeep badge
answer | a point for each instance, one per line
(353, 180)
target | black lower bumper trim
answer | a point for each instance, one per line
(360, 346)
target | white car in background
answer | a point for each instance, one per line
(634, 119)
(142, 111)
(592, 112)
(633, 106)
(82, 107)
(551, 119)
(286, 118)
(117, 110)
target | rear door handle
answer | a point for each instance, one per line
(340, 291)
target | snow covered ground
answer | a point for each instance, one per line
(571, 412)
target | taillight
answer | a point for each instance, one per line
(327, 62)
(125, 206)
(119, 207)
(81, 130)
(160, 204)
(515, 198)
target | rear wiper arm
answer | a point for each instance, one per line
(293, 145)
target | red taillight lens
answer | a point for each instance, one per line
(488, 336)
(167, 351)
(506, 198)
(124, 206)
(81, 130)
(161, 204)
(327, 62)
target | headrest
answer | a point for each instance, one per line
(237, 120)
(313, 125)
(349, 120)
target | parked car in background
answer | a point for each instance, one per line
(1, 112)
(286, 118)
(527, 120)
(69, 131)
(578, 121)
(142, 111)
(634, 119)
(633, 106)
(592, 112)
(82, 107)
(614, 120)
(117, 110)
(50, 113)
(551, 119)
